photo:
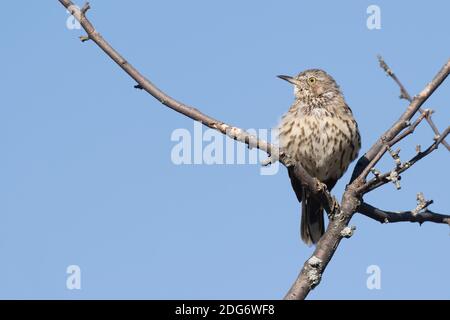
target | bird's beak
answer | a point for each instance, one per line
(289, 79)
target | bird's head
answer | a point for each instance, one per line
(313, 84)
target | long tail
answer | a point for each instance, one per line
(312, 225)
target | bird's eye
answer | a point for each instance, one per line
(312, 80)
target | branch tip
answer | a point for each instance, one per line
(85, 8)
(384, 65)
(422, 204)
(405, 95)
(274, 157)
(84, 38)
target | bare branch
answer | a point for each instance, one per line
(405, 95)
(85, 8)
(403, 216)
(374, 154)
(386, 147)
(381, 179)
(410, 130)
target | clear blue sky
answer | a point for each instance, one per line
(87, 179)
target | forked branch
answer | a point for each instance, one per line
(405, 95)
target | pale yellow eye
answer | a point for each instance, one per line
(311, 80)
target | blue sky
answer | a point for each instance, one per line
(86, 172)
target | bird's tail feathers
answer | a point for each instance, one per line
(312, 224)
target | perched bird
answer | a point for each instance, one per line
(320, 133)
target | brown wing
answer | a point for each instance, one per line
(296, 184)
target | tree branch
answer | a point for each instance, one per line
(402, 216)
(382, 179)
(405, 95)
(374, 154)
(410, 129)
(312, 271)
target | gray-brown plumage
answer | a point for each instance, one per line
(320, 133)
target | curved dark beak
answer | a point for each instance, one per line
(288, 79)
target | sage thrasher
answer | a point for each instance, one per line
(320, 133)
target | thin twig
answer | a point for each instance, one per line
(382, 179)
(405, 95)
(387, 144)
(374, 154)
(411, 128)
